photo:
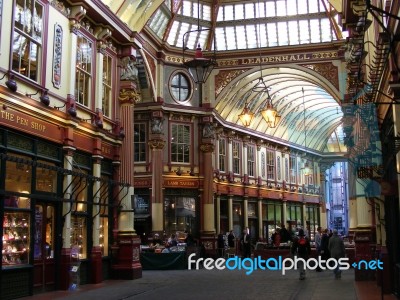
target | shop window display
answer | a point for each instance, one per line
(103, 234)
(78, 235)
(15, 249)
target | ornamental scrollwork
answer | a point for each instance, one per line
(207, 147)
(156, 144)
(129, 95)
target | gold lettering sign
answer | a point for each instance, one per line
(21, 121)
(181, 183)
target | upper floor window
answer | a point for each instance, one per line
(251, 161)
(292, 169)
(222, 155)
(27, 39)
(180, 87)
(139, 141)
(270, 165)
(107, 85)
(180, 143)
(83, 80)
(236, 157)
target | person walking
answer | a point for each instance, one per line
(318, 245)
(246, 244)
(231, 239)
(301, 248)
(221, 244)
(337, 251)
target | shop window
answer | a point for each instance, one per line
(236, 157)
(16, 238)
(78, 235)
(251, 210)
(180, 87)
(140, 145)
(103, 235)
(222, 155)
(80, 191)
(27, 38)
(46, 179)
(180, 143)
(179, 214)
(84, 72)
(18, 178)
(237, 219)
(104, 195)
(107, 95)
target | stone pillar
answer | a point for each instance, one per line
(284, 213)
(127, 260)
(96, 255)
(65, 260)
(230, 212)
(245, 211)
(207, 149)
(156, 144)
(260, 219)
(218, 213)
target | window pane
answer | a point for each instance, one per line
(16, 238)
(293, 33)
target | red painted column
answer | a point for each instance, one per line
(126, 259)
(156, 144)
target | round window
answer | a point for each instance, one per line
(180, 87)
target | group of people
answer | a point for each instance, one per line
(224, 242)
(328, 245)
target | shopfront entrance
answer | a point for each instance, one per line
(43, 247)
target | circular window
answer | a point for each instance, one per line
(180, 87)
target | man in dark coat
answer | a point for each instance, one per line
(301, 248)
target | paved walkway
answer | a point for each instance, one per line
(225, 284)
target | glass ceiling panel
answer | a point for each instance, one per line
(278, 17)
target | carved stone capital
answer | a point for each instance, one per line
(207, 147)
(156, 144)
(131, 96)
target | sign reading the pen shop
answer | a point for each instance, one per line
(182, 183)
(23, 122)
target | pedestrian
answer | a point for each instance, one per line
(301, 248)
(221, 244)
(246, 244)
(317, 240)
(337, 251)
(231, 239)
(325, 255)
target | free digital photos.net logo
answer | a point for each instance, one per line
(279, 264)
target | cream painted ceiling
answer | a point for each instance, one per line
(241, 25)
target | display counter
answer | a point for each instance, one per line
(163, 261)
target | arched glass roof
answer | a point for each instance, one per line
(311, 117)
(234, 25)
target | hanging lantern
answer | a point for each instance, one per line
(247, 116)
